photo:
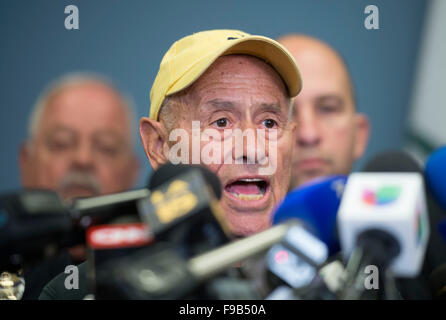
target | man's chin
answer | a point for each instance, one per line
(301, 179)
(245, 223)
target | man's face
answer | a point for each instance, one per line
(82, 145)
(330, 134)
(243, 92)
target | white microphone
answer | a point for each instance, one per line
(392, 204)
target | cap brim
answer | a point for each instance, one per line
(257, 46)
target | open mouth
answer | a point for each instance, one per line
(248, 189)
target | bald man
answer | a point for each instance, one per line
(80, 144)
(80, 140)
(331, 134)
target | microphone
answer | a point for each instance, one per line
(297, 262)
(437, 283)
(383, 221)
(435, 173)
(182, 214)
(110, 242)
(160, 272)
(442, 229)
(184, 209)
(32, 225)
(104, 209)
(316, 205)
(393, 161)
(170, 171)
(35, 224)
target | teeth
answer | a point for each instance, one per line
(248, 197)
(250, 180)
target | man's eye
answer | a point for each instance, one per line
(108, 150)
(221, 123)
(58, 146)
(269, 123)
(328, 109)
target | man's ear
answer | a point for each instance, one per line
(154, 139)
(24, 164)
(362, 135)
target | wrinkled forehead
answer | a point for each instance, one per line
(251, 75)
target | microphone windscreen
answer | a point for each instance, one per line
(442, 229)
(315, 204)
(393, 161)
(435, 174)
(169, 171)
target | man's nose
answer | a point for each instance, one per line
(83, 157)
(308, 131)
(254, 147)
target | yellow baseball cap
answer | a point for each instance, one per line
(188, 58)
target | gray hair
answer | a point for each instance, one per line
(73, 79)
(166, 115)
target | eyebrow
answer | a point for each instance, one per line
(331, 97)
(218, 104)
(60, 129)
(108, 133)
(269, 107)
(100, 133)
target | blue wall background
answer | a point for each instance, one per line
(125, 40)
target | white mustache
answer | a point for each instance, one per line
(82, 179)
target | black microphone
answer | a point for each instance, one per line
(160, 272)
(184, 209)
(104, 209)
(437, 283)
(182, 213)
(393, 161)
(32, 225)
(170, 171)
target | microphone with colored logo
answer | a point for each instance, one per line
(383, 223)
(110, 242)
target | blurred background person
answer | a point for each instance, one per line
(80, 144)
(331, 133)
(80, 140)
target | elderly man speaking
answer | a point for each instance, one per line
(215, 84)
